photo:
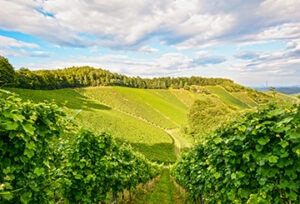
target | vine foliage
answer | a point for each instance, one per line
(254, 159)
(27, 132)
(46, 160)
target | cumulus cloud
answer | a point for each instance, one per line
(247, 55)
(205, 58)
(6, 42)
(293, 48)
(12, 47)
(277, 67)
(166, 34)
(121, 24)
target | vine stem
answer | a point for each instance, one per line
(9, 192)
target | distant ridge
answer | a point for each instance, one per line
(283, 89)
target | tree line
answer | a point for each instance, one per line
(88, 76)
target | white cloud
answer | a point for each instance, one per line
(6, 42)
(12, 47)
(147, 49)
(165, 33)
(130, 23)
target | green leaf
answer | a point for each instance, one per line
(240, 174)
(283, 143)
(31, 145)
(263, 140)
(29, 153)
(217, 175)
(39, 171)
(262, 181)
(273, 159)
(28, 127)
(292, 195)
(262, 162)
(26, 197)
(258, 147)
(275, 112)
(217, 140)
(11, 125)
(6, 195)
(78, 176)
(294, 136)
(286, 120)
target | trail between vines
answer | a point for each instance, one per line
(164, 192)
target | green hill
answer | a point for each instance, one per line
(154, 121)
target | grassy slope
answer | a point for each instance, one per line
(226, 97)
(160, 108)
(139, 116)
(156, 106)
(145, 118)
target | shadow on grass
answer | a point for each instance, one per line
(78, 101)
(62, 97)
(160, 152)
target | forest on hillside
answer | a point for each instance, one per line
(85, 76)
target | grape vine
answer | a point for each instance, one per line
(45, 160)
(255, 159)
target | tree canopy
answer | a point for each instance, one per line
(7, 73)
(85, 76)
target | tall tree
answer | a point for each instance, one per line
(7, 72)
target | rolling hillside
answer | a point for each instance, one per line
(153, 121)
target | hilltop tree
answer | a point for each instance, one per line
(7, 72)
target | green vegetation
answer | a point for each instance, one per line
(45, 159)
(155, 106)
(7, 73)
(141, 131)
(165, 191)
(88, 76)
(207, 114)
(254, 159)
(226, 97)
(27, 134)
(156, 122)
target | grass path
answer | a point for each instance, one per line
(164, 192)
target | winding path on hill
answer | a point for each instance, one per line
(178, 142)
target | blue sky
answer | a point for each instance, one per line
(251, 42)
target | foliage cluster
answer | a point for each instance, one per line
(27, 131)
(254, 159)
(45, 160)
(95, 165)
(206, 115)
(7, 74)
